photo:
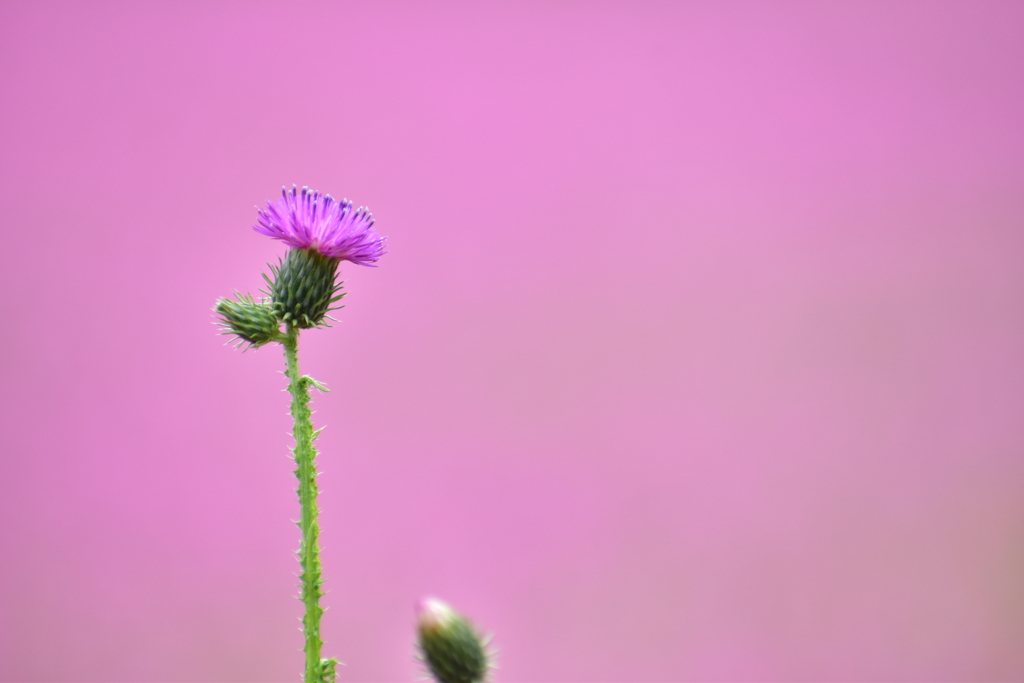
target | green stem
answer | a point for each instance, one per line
(317, 670)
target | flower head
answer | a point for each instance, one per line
(309, 220)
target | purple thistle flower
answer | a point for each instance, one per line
(310, 220)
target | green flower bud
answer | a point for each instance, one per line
(253, 322)
(303, 287)
(449, 644)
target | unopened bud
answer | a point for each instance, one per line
(253, 322)
(451, 647)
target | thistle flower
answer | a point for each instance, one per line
(322, 234)
(449, 644)
(310, 220)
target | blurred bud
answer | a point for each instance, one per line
(253, 322)
(450, 646)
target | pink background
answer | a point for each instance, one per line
(699, 352)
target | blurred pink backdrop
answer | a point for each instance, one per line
(698, 354)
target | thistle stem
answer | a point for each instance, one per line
(309, 547)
